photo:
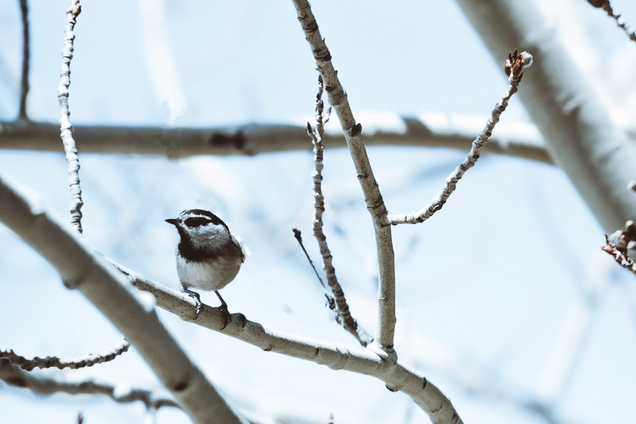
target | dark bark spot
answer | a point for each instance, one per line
(236, 140)
(356, 130)
(179, 387)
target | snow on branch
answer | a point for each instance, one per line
(514, 70)
(73, 363)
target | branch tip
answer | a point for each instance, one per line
(515, 64)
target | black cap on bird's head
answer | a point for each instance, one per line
(196, 218)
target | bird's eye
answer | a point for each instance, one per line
(196, 221)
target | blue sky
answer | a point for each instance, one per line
(484, 287)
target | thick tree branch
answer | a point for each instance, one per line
(596, 154)
(81, 269)
(517, 139)
(372, 362)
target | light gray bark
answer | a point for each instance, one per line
(83, 269)
(434, 130)
(594, 152)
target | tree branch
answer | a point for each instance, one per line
(345, 318)
(375, 204)
(47, 385)
(596, 154)
(73, 363)
(372, 362)
(522, 60)
(82, 269)
(517, 139)
(619, 256)
(66, 129)
(26, 58)
(331, 302)
(607, 7)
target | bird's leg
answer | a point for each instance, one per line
(195, 296)
(223, 308)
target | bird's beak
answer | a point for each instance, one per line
(172, 221)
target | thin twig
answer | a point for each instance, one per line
(514, 70)
(48, 384)
(375, 204)
(607, 7)
(344, 313)
(66, 129)
(73, 363)
(26, 56)
(330, 300)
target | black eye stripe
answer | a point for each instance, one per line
(197, 221)
(201, 213)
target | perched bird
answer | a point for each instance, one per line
(208, 255)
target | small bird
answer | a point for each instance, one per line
(208, 255)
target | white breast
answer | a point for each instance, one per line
(208, 275)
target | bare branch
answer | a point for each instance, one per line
(82, 269)
(66, 129)
(48, 385)
(330, 300)
(367, 361)
(26, 57)
(348, 322)
(597, 155)
(514, 70)
(73, 363)
(518, 139)
(607, 7)
(372, 196)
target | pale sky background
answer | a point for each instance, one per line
(484, 287)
